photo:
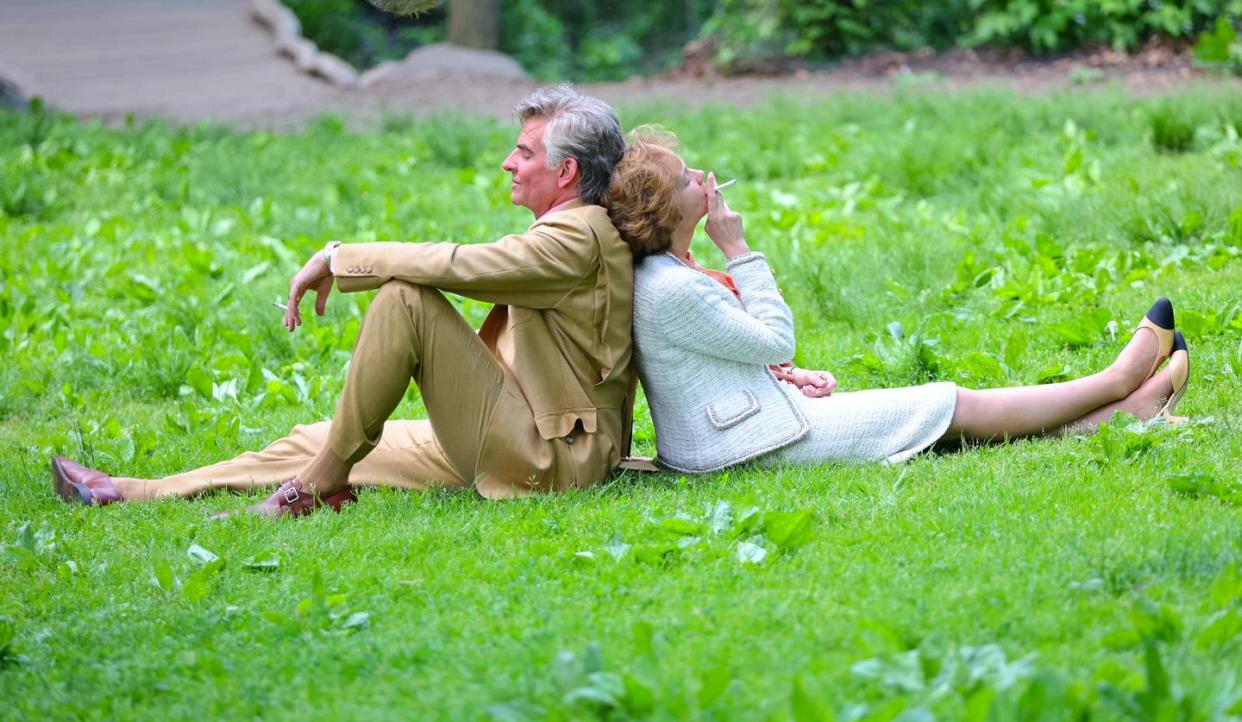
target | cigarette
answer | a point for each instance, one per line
(280, 305)
(726, 184)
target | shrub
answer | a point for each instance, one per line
(589, 40)
(1220, 48)
(361, 34)
(826, 29)
(552, 39)
(1171, 130)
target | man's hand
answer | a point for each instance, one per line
(317, 275)
(811, 383)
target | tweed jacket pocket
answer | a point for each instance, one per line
(732, 409)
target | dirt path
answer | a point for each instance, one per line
(186, 60)
(190, 61)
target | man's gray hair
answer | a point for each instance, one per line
(580, 127)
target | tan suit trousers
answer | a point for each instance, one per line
(409, 332)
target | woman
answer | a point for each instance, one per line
(713, 351)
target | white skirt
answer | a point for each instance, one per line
(880, 424)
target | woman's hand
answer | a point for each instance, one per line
(724, 225)
(811, 383)
(317, 275)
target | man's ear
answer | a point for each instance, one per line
(569, 173)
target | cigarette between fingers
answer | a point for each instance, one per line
(726, 184)
(280, 305)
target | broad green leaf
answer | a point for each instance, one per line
(615, 547)
(198, 584)
(603, 689)
(357, 621)
(886, 711)
(201, 555)
(713, 684)
(1215, 48)
(787, 529)
(901, 671)
(916, 714)
(200, 380)
(979, 705)
(162, 575)
(746, 521)
(719, 517)
(678, 525)
(1225, 627)
(592, 658)
(876, 638)
(1155, 697)
(1015, 349)
(639, 697)
(806, 706)
(1226, 588)
(1155, 621)
(750, 552)
(644, 638)
(8, 633)
(262, 563)
(653, 553)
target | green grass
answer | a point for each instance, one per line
(1013, 239)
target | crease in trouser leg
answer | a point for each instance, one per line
(384, 360)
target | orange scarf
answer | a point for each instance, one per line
(723, 278)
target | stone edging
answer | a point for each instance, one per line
(286, 32)
(16, 87)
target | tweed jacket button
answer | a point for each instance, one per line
(569, 439)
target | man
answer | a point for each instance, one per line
(536, 400)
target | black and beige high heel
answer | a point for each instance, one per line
(1159, 321)
(1179, 376)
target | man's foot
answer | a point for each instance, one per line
(294, 499)
(75, 482)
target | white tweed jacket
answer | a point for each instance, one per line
(703, 359)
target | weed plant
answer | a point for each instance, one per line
(982, 238)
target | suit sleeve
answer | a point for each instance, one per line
(698, 317)
(535, 269)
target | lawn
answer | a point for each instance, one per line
(983, 238)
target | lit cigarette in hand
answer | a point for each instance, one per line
(280, 305)
(726, 184)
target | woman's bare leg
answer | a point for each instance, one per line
(1143, 403)
(991, 414)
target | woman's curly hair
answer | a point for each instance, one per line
(642, 196)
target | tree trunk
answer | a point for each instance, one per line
(474, 23)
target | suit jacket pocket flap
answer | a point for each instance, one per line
(559, 424)
(732, 409)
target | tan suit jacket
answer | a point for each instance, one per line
(564, 295)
